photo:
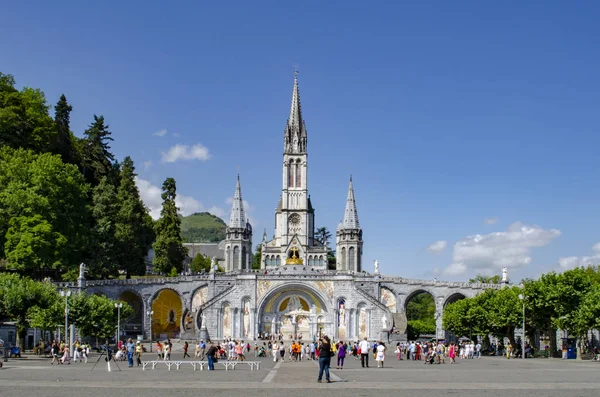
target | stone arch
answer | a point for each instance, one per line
(453, 298)
(246, 317)
(279, 305)
(428, 315)
(168, 308)
(199, 298)
(133, 324)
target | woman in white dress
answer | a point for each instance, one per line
(380, 357)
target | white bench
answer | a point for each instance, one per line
(228, 364)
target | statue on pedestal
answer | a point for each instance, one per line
(213, 265)
(504, 274)
(82, 270)
(376, 266)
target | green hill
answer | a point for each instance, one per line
(202, 227)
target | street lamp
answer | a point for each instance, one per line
(66, 293)
(522, 297)
(150, 313)
(118, 306)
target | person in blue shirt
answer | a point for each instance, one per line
(130, 351)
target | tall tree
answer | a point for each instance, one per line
(200, 263)
(169, 252)
(64, 139)
(44, 204)
(103, 257)
(257, 257)
(322, 234)
(97, 159)
(133, 233)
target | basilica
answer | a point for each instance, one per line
(294, 293)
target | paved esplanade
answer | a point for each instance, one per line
(493, 376)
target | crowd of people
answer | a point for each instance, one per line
(61, 352)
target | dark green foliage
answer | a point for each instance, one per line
(169, 252)
(103, 256)
(200, 263)
(257, 257)
(97, 160)
(420, 313)
(133, 233)
(64, 141)
(24, 119)
(202, 227)
(43, 212)
(486, 280)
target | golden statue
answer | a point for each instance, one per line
(294, 259)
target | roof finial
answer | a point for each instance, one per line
(296, 71)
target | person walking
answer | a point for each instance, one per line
(452, 353)
(130, 351)
(55, 352)
(185, 350)
(341, 354)
(211, 354)
(380, 354)
(138, 353)
(364, 352)
(324, 358)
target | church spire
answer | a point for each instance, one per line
(295, 130)
(238, 217)
(351, 215)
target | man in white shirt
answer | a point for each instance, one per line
(364, 352)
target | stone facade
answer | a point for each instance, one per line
(294, 293)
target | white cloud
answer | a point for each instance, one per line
(185, 152)
(151, 195)
(162, 132)
(437, 247)
(489, 253)
(571, 262)
(220, 212)
(490, 221)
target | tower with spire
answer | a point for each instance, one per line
(349, 242)
(294, 240)
(238, 235)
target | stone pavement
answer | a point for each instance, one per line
(493, 376)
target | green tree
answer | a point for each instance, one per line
(19, 297)
(24, 119)
(103, 258)
(64, 141)
(322, 234)
(480, 278)
(169, 253)
(96, 316)
(420, 313)
(200, 263)
(44, 204)
(97, 159)
(257, 257)
(133, 234)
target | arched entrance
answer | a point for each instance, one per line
(132, 326)
(420, 314)
(167, 315)
(294, 312)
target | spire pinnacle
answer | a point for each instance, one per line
(350, 214)
(238, 216)
(295, 130)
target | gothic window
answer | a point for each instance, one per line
(321, 260)
(277, 261)
(298, 174)
(343, 258)
(290, 170)
(351, 258)
(244, 259)
(228, 258)
(236, 258)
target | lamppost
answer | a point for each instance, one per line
(118, 306)
(522, 297)
(150, 313)
(66, 293)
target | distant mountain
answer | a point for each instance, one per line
(202, 227)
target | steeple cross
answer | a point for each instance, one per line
(296, 70)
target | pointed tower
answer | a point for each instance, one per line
(238, 235)
(349, 242)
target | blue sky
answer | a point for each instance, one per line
(470, 127)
